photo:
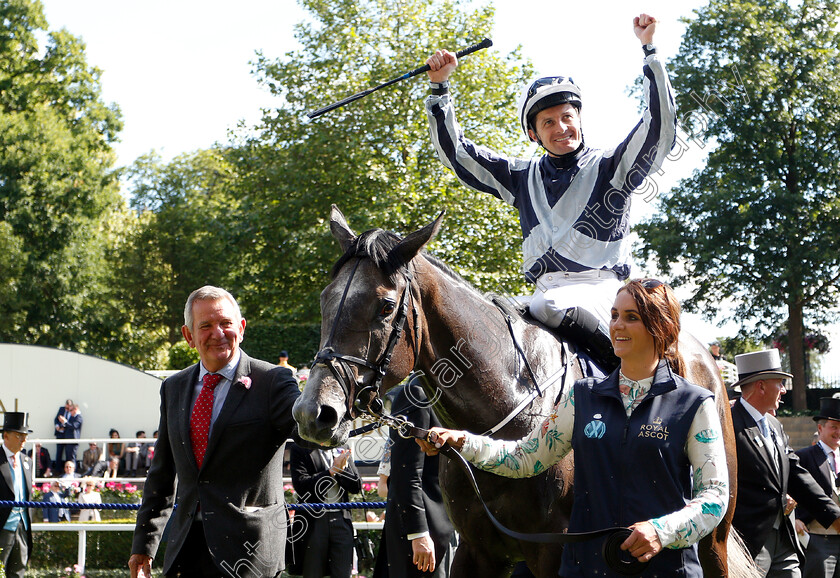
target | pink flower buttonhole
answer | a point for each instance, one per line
(246, 382)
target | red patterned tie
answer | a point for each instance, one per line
(200, 419)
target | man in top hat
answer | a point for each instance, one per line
(768, 470)
(822, 460)
(15, 524)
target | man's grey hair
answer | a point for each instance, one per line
(211, 293)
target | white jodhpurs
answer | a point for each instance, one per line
(591, 290)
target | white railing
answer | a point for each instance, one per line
(84, 527)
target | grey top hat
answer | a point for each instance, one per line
(759, 365)
(829, 409)
(16, 421)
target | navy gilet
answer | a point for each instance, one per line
(629, 470)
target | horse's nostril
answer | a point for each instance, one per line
(327, 417)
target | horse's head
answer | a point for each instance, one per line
(369, 328)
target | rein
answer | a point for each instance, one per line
(374, 406)
(611, 550)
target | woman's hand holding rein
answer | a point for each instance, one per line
(454, 438)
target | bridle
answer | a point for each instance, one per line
(368, 399)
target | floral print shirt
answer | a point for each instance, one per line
(551, 440)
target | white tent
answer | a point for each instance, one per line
(38, 380)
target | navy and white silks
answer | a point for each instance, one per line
(574, 217)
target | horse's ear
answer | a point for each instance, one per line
(340, 229)
(411, 245)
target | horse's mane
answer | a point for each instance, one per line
(378, 244)
(375, 245)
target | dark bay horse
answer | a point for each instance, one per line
(392, 309)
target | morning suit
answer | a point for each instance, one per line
(415, 503)
(823, 553)
(326, 546)
(762, 485)
(42, 462)
(239, 487)
(7, 492)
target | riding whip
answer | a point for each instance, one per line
(486, 43)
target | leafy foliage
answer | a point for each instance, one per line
(84, 271)
(186, 237)
(373, 157)
(181, 355)
(56, 180)
(759, 225)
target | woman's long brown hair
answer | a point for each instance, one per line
(660, 313)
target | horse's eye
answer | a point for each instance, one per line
(387, 309)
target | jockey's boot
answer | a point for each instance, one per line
(586, 331)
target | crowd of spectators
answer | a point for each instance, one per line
(75, 480)
(115, 459)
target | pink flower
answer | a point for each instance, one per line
(245, 381)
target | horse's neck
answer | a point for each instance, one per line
(468, 359)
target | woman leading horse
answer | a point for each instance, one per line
(646, 433)
(391, 309)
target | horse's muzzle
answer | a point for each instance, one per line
(318, 422)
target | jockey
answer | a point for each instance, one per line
(574, 200)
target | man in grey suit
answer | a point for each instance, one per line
(769, 470)
(223, 425)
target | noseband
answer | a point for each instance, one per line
(367, 399)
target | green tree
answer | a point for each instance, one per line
(187, 235)
(56, 178)
(181, 355)
(373, 157)
(759, 225)
(125, 322)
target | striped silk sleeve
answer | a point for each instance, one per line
(477, 167)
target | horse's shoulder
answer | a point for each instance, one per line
(688, 384)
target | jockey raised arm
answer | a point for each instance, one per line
(573, 201)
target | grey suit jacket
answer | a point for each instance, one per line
(239, 486)
(7, 490)
(762, 486)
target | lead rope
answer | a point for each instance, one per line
(615, 558)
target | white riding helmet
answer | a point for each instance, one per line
(544, 93)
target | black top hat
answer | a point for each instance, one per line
(16, 421)
(829, 409)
